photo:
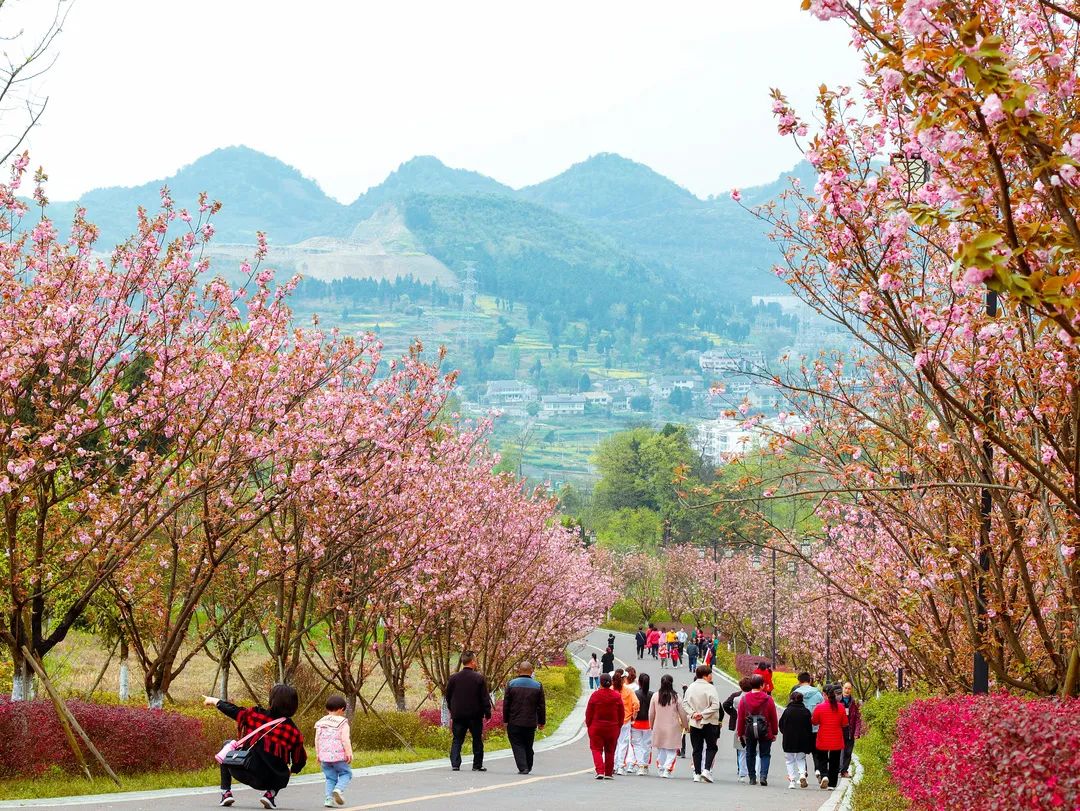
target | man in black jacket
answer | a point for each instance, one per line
(524, 712)
(639, 642)
(469, 702)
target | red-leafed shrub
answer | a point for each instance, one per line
(433, 716)
(132, 739)
(992, 753)
(746, 663)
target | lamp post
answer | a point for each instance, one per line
(774, 607)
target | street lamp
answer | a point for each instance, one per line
(980, 670)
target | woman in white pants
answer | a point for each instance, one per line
(640, 729)
(669, 723)
(630, 705)
(798, 739)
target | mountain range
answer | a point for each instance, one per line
(606, 215)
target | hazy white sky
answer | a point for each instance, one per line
(346, 90)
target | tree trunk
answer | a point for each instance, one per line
(124, 690)
(1072, 675)
(22, 680)
(226, 667)
(444, 713)
(399, 699)
(155, 699)
(350, 704)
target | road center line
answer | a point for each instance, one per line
(465, 791)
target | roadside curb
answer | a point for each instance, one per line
(842, 798)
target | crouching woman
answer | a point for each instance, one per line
(275, 752)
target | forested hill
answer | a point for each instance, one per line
(700, 240)
(604, 218)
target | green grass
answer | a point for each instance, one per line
(562, 686)
(783, 684)
(876, 791)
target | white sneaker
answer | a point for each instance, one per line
(339, 798)
(824, 782)
(791, 784)
(665, 774)
(642, 771)
(744, 779)
(619, 771)
(697, 777)
(706, 775)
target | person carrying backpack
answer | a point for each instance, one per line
(757, 726)
(798, 739)
(333, 748)
(273, 754)
(639, 642)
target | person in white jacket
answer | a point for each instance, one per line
(702, 705)
(594, 672)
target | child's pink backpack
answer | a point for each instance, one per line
(329, 747)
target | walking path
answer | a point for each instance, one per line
(562, 777)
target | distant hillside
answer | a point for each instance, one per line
(260, 193)
(712, 242)
(607, 217)
(527, 253)
(423, 175)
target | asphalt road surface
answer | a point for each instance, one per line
(562, 777)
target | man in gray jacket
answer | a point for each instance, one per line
(524, 712)
(702, 705)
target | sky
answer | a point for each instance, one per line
(346, 91)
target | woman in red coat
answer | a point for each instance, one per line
(830, 718)
(764, 669)
(604, 718)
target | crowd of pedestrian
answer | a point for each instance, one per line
(630, 726)
(817, 727)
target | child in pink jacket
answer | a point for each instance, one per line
(333, 748)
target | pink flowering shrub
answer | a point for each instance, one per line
(992, 753)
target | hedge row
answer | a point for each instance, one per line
(132, 739)
(990, 753)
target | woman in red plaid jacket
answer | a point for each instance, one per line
(277, 753)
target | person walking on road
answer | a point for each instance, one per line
(731, 707)
(811, 698)
(276, 752)
(798, 739)
(757, 726)
(603, 719)
(831, 718)
(662, 649)
(851, 731)
(654, 642)
(630, 708)
(611, 642)
(669, 723)
(469, 702)
(702, 705)
(764, 669)
(680, 640)
(640, 729)
(333, 749)
(692, 652)
(607, 661)
(524, 711)
(639, 642)
(594, 672)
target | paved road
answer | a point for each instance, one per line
(562, 777)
